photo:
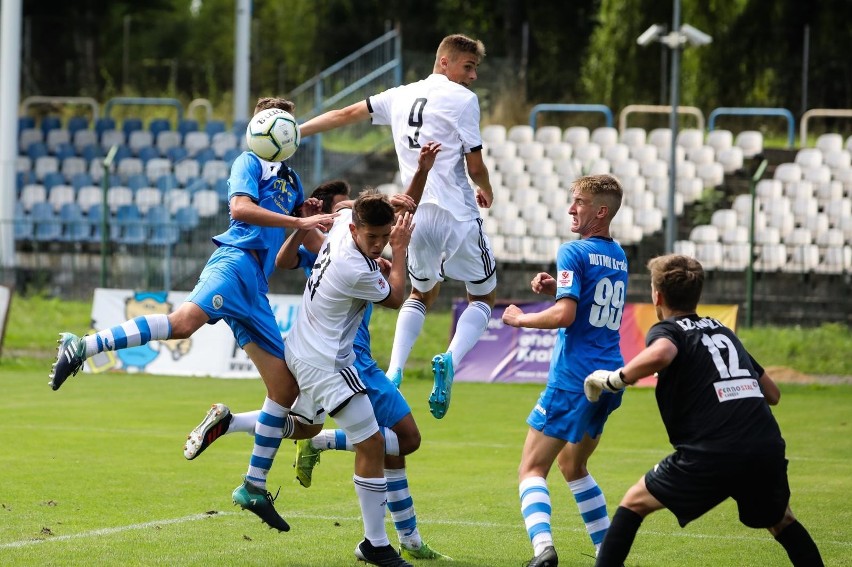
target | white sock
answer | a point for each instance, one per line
(243, 422)
(372, 495)
(409, 324)
(336, 439)
(471, 324)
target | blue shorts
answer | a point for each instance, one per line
(389, 405)
(570, 416)
(233, 287)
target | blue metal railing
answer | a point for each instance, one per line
(747, 111)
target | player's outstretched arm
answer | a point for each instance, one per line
(425, 161)
(335, 119)
(399, 238)
(559, 315)
(543, 284)
(245, 210)
(288, 255)
(655, 357)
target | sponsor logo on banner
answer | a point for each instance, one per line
(727, 390)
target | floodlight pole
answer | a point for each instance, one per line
(671, 230)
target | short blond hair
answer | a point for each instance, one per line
(604, 188)
(457, 44)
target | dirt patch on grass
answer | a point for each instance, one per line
(787, 375)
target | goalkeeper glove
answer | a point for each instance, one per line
(600, 380)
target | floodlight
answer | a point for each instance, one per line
(694, 35)
(651, 34)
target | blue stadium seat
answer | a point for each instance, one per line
(187, 218)
(23, 224)
(239, 127)
(158, 125)
(129, 226)
(221, 189)
(214, 127)
(24, 178)
(65, 150)
(52, 179)
(187, 125)
(79, 180)
(129, 125)
(166, 182)
(76, 228)
(93, 216)
(25, 122)
(231, 155)
(36, 150)
(49, 123)
(196, 184)
(147, 153)
(176, 153)
(204, 156)
(137, 181)
(103, 124)
(77, 123)
(48, 228)
(91, 152)
(164, 231)
(121, 153)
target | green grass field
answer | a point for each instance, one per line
(95, 473)
(95, 476)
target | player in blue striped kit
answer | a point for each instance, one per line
(265, 198)
(590, 289)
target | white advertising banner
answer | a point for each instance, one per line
(211, 351)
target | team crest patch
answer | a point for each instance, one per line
(218, 301)
(565, 279)
(382, 284)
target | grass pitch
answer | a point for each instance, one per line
(94, 475)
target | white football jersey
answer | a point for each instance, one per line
(434, 110)
(342, 281)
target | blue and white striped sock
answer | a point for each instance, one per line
(592, 504)
(131, 333)
(336, 440)
(401, 507)
(268, 432)
(535, 506)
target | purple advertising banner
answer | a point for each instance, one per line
(504, 353)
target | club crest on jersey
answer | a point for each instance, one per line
(218, 301)
(565, 279)
(381, 284)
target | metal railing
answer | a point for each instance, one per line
(593, 108)
(736, 111)
(658, 109)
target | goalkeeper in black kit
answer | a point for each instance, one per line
(714, 400)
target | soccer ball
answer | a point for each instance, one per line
(273, 134)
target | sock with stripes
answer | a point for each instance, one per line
(268, 432)
(592, 505)
(401, 507)
(471, 324)
(336, 440)
(536, 509)
(372, 495)
(409, 324)
(131, 333)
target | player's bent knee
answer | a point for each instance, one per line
(788, 519)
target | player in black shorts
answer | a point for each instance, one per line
(714, 400)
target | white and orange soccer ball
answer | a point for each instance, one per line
(273, 134)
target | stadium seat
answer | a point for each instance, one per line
(704, 233)
(558, 150)
(644, 154)
(690, 138)
(83, 138)
(604, 136)
(803, 258)
(502, 150)
(71, 166)
(769, 189)
(657, 168)
(204, 156)
(129, 227)
(79, 180)
(118, 196)
(616, 153)
(720, 140)
(52, 179)
(25, 122)
(666, 155)
(221, 189)
(46, 224)
(649, 220)
(540, 165)
(23, 163)
(213, 170)
(103, 124)
(59, 195)
(92, 152)
(56, 137)
(531, 151)
(710, 254)
(166, 140)
(711, 173)
(239, 128)
(36, 150)
(110, 138)
(576, 136)
(148, 153)
(548, 135)
(186, 169)
(700, 155)
(633, 137)
(685, 248)
(129, 166)
(187, 217)
(206, 202)
(520, 134)
(731, 159)
(157, 167)
(837, 159)
(493, 134)
(76, 228)
(157, 125)
(734, 234)
(600, 166)
(139, 139)
(836, 260)
(661, 202)
(176, 198)
(28, 137)
(194, 142)
(625, 169)
(88, 196)
(221, 142)
(799, 190)
(724, 219)
(23, 228)
(661, 138)
(31, 195)
(213, 127)
(803, 207)
(808, 157)
(45, 165)
(837, 209)
(148, 197)
(130, 125)
(49, 123)
(751, 142)
(162, 228)
(825, 192)
(689, 188)
(23, 178)
(64, 150)
(735, 256)
(587, 154)
(829, 142)
(771, 257)
(187, 125)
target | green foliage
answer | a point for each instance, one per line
(821, 350)
(710, 201)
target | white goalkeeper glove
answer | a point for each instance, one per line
(600, 380)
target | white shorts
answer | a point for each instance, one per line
(443, 247)
(342, 391)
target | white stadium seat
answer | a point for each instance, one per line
(751, 142)
(685, 248)
(720, 139)
(558, 150)
(808, 157)
(531, 150)
(771, 257)
(576, 136)
(788, 172)
(736, 256)
(724, 219)
(661, 138)
(836, 260)
(604, 136)
(710, 254)
(690, 138)
(829, 142)
(520, 134)
(548, 134)
(731, 159)
(494, 134)
(633, 137)
(803, 258)
(704, 233)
